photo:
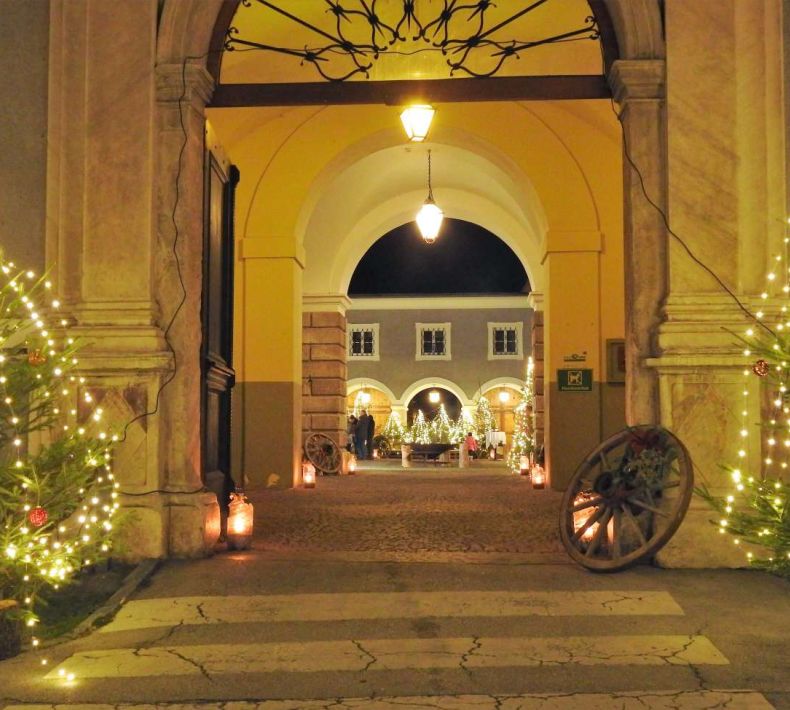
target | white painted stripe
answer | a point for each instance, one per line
(386, 605)
(632, 700)
(392, 654)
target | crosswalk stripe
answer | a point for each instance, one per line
(392, 654)
(677, 700)
(387, 605)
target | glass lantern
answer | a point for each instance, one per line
(240, 522)
(308, 475)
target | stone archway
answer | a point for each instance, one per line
(186, 29)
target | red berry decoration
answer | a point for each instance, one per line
(37, 517)
(36, 357)
(760, 368)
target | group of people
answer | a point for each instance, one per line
(359, 435)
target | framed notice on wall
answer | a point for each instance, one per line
(615, 360)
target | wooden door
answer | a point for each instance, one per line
(216, 352)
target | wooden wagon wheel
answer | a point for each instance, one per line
(323, 453)
(626, 499)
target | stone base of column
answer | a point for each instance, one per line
(169, 525)
(698, 544)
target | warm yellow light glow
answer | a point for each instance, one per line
(434, 396)
(308, 475)
(417, 121)
(504, 396)
(240, 522)
(429, 220)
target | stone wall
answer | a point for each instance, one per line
(324, 371)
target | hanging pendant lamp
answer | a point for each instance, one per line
(429, 218)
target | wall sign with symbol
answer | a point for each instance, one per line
(576, 380)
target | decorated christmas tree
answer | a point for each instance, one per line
(462, 426)
(523, 443)
(420, 431)
(441, 427)
(483, 421)
(57, 493)
(393, 430)
(756, 513)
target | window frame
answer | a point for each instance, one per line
(518, 326)
(362, 327)
(420, 328)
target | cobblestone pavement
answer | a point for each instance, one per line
(388, 513)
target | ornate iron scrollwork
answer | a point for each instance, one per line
(460, 31)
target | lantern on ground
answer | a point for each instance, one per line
(375, 453)
(524, 465)
(538, 477)
(492, 453)
(308, 475)
(240, 522)
(352, 464)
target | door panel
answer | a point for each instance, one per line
(218, 376)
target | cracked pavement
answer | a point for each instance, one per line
(256, 631)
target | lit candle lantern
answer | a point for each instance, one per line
(240, 520)
(375, 453)
(538, 477)
(352, 464)
(308, 475)
(524, 465)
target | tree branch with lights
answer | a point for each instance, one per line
(58, 495)
(756, 513)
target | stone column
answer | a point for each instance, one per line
(103, 232)
(269, 393)
(725, 198)
(324, 366)
(638, 88)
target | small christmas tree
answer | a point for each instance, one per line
(58, 495)
(420, 431)
(483, 421)
(393, 430)
(441, 427)
(757, 511)
(523, 443)
(462, 426)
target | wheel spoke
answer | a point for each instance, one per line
(646, 506)
(599, 533)
(634, 524)
(591, 520)
(669, 484)
(587, 504)
(617, 526)
(604, 461)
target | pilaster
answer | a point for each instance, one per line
(105, 211)
(638, 87)
(269, 392)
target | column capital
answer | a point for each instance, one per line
(272, 248)
(637, 79)
(535, 301)
(326, 303)
(187, 82)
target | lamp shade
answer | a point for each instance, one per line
(417, 121)
(429, 220)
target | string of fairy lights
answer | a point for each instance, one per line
(50, 544)
(772, 324)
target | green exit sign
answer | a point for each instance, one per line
(575, 380)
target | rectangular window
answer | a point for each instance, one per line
(433, 341)
(504, 341)
(363, 341)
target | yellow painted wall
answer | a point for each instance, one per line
(563, 167)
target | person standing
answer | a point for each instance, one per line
(371, 430)
(361, 435)
(351, 428)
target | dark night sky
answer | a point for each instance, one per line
(464, 259)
